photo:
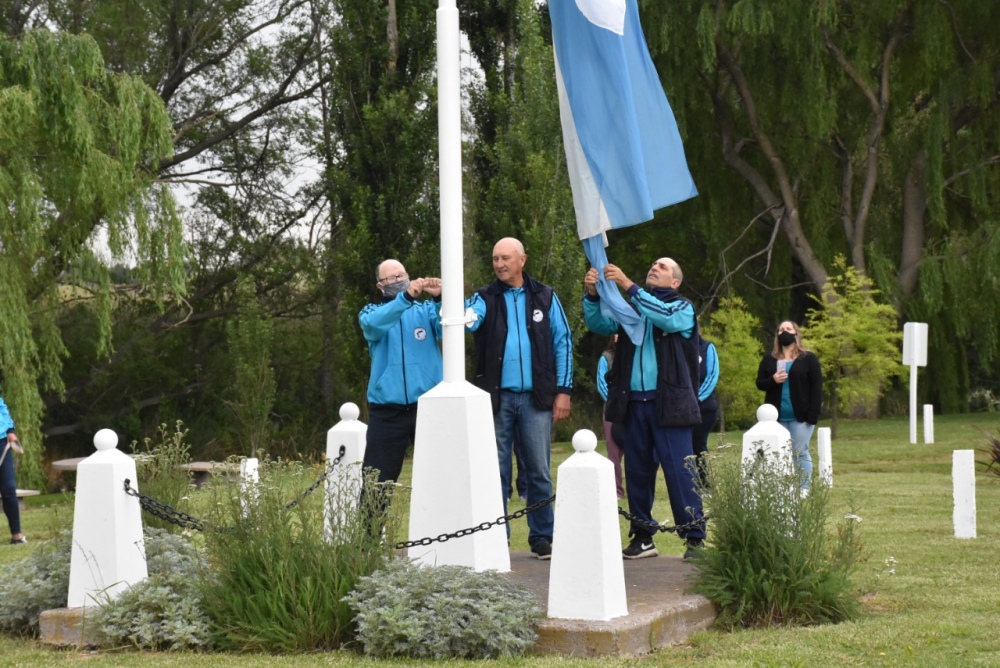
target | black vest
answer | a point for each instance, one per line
(677, 375)
(491, 338)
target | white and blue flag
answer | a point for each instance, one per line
(623, 148)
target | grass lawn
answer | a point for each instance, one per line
(940, 607)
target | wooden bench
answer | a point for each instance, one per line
(67, 464)
(21, 493)
(202, 471)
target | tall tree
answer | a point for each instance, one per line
(866, 129)
(76, 146)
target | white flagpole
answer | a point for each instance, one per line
(456, 477)
(450, 157)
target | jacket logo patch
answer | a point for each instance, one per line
(537, 315)
(420, 333)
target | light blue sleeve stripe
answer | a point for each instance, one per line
(562, 343)
(711, 373)
(677, 316)
(377, 319)
(602, 383)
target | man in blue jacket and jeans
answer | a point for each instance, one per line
(524, 359)
(403, 337)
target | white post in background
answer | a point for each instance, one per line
(343, 484)
(825, 456)
(456, 476)
(587, 576)
(249, 477)
(914, 355)
(963, 479)
(108, 551)
(928, 423)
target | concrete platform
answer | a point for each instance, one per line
(660, 613)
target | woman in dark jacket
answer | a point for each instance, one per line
(792, 381)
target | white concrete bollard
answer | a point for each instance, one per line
(825, 456)
(343, 485)
(587, 576)
(249, 477)
(769, 440)
(928, 423)
(108, 552)
(963, 479)
(456, 479)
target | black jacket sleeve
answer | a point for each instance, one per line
(765, 373)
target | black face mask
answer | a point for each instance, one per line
(786, 338)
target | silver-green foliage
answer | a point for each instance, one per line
(443, 612)
(772, 559)
(164, 611)
(37, 583)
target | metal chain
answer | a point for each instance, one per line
(653, 527)
(182, 519)
(319, 481)
(163, 511)
(481, 527)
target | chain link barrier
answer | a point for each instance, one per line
(481, 527)
(183, 520)
(653, 527)
(319, 481)
(170, 514)
(163, 511)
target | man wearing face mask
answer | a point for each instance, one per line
(403, 337)
(653, 391)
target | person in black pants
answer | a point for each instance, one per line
(9, 444)
(403, 337)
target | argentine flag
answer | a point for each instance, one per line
(623, 148)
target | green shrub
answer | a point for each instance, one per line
(40, 581)
(164, 611)
(159, 473)
(277, 584)
(771, 559)
(443, 612)
(34, 584)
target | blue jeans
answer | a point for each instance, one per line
(519, 415)
(8, 489)
(801, 433)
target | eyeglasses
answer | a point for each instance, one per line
(391, 279)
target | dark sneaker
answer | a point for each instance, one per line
(18, 541)
(694, 548)
(640, 548)
(542, 550)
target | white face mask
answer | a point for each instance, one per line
(393, 289)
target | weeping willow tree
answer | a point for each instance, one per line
(867, 129)
(78, 150)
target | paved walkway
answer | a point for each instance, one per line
(660, 612)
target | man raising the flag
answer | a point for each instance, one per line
(623, 148)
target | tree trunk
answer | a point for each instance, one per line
(914, 207)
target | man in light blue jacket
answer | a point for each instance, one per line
(403, 337)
